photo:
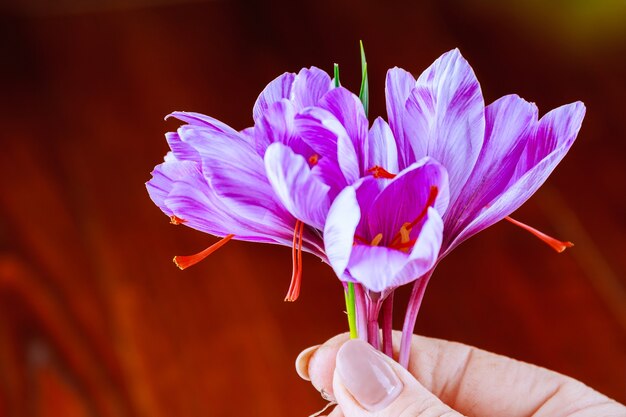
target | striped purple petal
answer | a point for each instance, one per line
(444, 117)
(302, 193)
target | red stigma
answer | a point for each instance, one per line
(555, 244)
(313, 159)
(380, 172)
(432, 196)
(175, 220)
(400, 240)
(184, 262)
(296, 257)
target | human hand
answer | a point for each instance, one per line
(444, 379)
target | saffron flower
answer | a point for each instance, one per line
(382, 205)
(496, 156)
(270, 183)
(384, 233)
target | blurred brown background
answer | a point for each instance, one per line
(95, 320)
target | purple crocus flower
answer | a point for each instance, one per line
(382, 205)
(273, 182)
(384, 233)
(496, 156)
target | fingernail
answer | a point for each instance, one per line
(367, 376)
(302, 362)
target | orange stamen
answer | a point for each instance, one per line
(176, 220)
(555, 244)
(184, 262)
(380, 172)
(405, 230)
(376, 239)
(313, 159)
(296, 257)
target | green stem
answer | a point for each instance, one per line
(350, 308)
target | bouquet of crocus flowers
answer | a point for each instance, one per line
(383, 202)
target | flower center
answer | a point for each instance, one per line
(296, 257)
(402, 240)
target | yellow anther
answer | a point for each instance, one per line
(377, 239)
(404, 233)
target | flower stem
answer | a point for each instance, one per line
(361, 312)
(350, 309)
(417, 294)
(373, 308)
(388, 325)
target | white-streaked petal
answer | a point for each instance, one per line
(301, 192)
(343, 217)
(382, 150)
(445, 119)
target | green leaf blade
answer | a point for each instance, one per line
(364, 93)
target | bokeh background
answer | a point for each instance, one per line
(95, 320)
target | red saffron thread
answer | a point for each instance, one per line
(555, 244)
(184, 262)
(296, 257)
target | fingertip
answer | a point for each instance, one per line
(302, 362)
(321, 365)
(368, 375)
(368, 383)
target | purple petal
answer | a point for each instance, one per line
(198, 119)
(555, 135)
(329, 173)
(367, 189)
(182, 151)
(248, 135)
(382, 149)
(327, 136)
(376, 266)
(406, 197)
(309, 87)
(510, 122)
(556, 129)
(347, 159)
(180, 189)
(162, 181)
(234, 168)
(276, 90)
(320, 130)
(343, 217)
(301, 192)
(445, 117)
(398, 86)
(348, 110)
(425, 252)
(275, 124)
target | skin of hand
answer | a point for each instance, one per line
(444, 379)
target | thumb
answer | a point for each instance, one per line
(368, 383)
